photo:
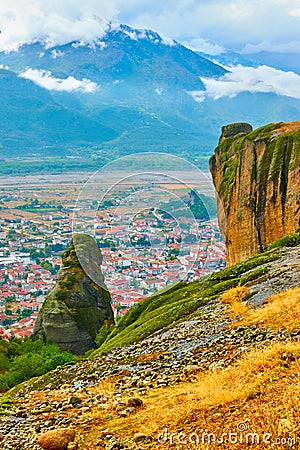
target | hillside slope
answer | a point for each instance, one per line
(151, 375)
(32, 120)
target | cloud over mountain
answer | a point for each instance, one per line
(54, 21)
(45, 79)
(233, 24)
(229, 23)
(139, 83)
(204, 46)
(262, 79)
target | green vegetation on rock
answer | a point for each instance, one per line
(180, 301)
(79, 304)
(280, 146)
(263, 133)
(290, 240)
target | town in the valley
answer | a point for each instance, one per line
(141, 254)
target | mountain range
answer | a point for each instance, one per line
(130, 91)
(286, 61)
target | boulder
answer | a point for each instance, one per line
(56, 439)
(79, 304)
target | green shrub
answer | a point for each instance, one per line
(290, 240)
(69, 282)
(29, 358)
(4, 362)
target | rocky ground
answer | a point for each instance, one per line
(165, 358)
(281, 276)
(68, 396)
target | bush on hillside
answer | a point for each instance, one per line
(22, 359)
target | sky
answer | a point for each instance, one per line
(204, 25)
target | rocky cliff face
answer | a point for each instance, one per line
(257, 178)
(77, 307)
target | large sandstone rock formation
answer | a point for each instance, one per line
(257, 178)
(77, 307)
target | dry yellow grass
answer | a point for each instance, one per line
(261, 390)
(248, 380)
(289, 126)
(280, 311)
(234, 297)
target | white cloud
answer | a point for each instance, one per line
(295, 12)
(44, 79)
(293, 47)
(95, 43)
(167, 41)
(198, 96)
(231, 23)
(54, 21)
(204, 46)
(262, 79)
